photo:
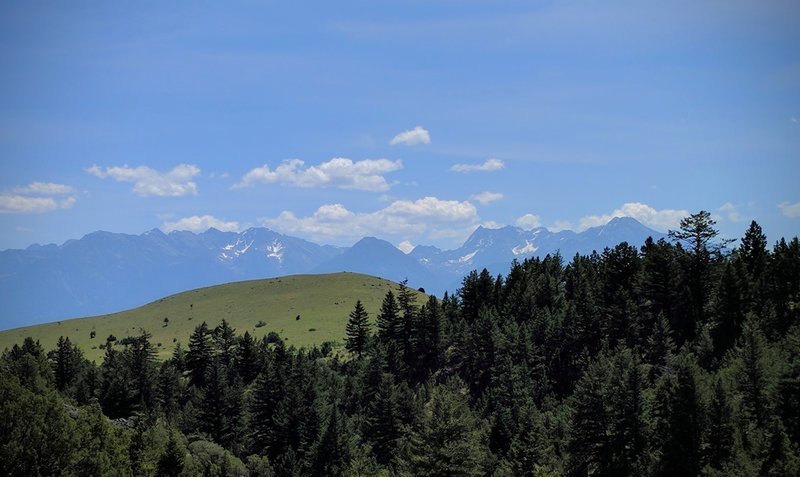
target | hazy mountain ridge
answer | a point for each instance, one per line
(105, 272)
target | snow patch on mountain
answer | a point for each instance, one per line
(529, 247)
(275, 250)
(232, 250)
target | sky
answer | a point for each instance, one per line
(413, 121)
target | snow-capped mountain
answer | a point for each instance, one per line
(105, 272)
(496, 248)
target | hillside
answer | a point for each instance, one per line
(323, 303)
(105, 272)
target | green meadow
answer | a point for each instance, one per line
(322, 303)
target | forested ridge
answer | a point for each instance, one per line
(680, 357)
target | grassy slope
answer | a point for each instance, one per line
(322, 301)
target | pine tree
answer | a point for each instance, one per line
(214, 415)
(330, 453)
(719, 438)
(388, 319)
(383, 421)
(247, 358)
(172, 460)
(450, 439)
(199, 356)
(66, 361)
(678, 413)
(699, 233)
(357, 330)
(224, 337)
(140, 358)
(755, 379)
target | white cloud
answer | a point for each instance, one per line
(338, 172)
(529, 221)
(658, 219)
(401, 218)
(28, 199)
(44, 188)
(198, 224)
(790, 210)
(405, 246)
(731, 212)
(150, 182)
(20, 204)
(560, 225)
(489, 165)
(485, 197)
(412, 137)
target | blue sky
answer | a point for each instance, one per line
(414, 121)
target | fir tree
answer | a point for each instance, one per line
(247, 358)
(357, 330)
(199, 356)
(172, 460)
(450, 439)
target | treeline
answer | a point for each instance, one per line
(678, 358)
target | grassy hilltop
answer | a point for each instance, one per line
(323, 303)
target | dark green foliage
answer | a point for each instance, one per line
(677, 419)
(247, 359)
(675, 359)
(329, 456)
(172, 460)
(199, 356)
(448, 439)
(357, 330)
(383, 420)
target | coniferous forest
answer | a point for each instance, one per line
(678, 357)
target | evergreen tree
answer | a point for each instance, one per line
(224, 337)
(754, 373)
(719, 438)
(199, 356)
(140, 359)
(357, 330)
(247, 358)
(678, 412)
(450, 439)
(116, 393)
(383, 421)
(330, 454)
(214, 416)
(388, 319)
(169, 389)
(66, 360)
(172, 460)
(699, 233)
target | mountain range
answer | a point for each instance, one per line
(105, 272)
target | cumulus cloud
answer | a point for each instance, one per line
(150, 182)
(485, 197)
(28, 199)
(731, 212)
(20, 204)
(202, 223)
(664, 219)
(412, 137)
(338, 172)
(489, 165)
(401, 218)
(560, 225)
(529, 222)
(790, 210)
